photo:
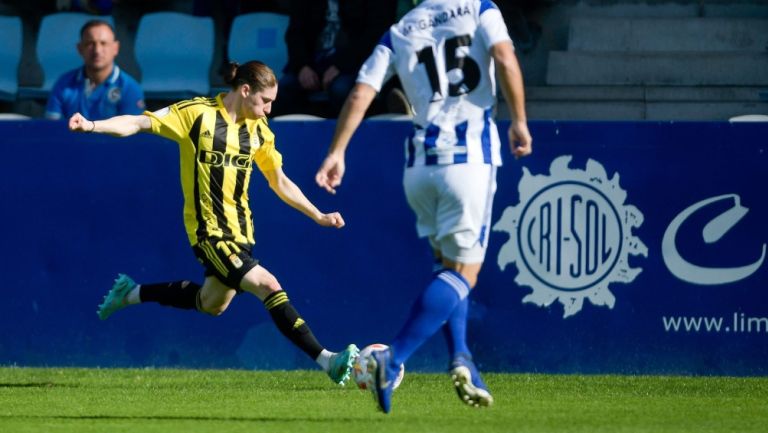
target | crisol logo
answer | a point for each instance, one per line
(570, 236)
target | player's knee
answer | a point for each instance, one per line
(213, 308)
(216, 310)
(260, 282)
(271, 286)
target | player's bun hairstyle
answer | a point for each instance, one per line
(254, 73)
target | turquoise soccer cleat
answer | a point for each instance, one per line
(115, 299)
(341, 364)
(468, 383)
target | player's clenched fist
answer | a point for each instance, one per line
(78, 123)
(332, 219)
(520, 139)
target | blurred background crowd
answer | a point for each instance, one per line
(582, 60)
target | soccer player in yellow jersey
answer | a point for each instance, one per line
(219, 138)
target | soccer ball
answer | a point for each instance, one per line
(363, 372)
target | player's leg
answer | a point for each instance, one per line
(463, 251)
(446, 292)
(125, 292)
(232, 264)
(260, 282)
(214, 297)
(431, 309)
(221, 259)
(453, 206)
(455, 328)
(466, 377)
(435, 303)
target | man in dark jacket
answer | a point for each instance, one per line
(328, 41)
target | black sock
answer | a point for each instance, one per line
(289, 322)
(179, 294)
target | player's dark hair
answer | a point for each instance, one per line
(254, 73)
(94, 23)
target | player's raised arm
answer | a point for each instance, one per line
(332, 169)
(290, 193)
(121, 126)
(511, 83)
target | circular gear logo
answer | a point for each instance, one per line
(570, 236)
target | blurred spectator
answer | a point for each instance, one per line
(224, 12)
(328, 41)
(98, 89)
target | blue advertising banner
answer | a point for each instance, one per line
(619, 247)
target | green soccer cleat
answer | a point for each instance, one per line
(115, 299)
(341, 364)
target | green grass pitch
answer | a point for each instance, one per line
(159, 400)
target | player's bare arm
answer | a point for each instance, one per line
(511, 83)
(290, 193)
(120, 126)
(332, 169)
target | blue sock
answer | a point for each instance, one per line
(431, 310)
(455, 330)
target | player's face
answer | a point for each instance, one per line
(98, 47)
(259, 104)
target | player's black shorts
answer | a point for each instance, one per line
(227, 260)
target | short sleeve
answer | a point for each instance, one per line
(379, 66)
(267, 157)
(169, 122)
(492, 27)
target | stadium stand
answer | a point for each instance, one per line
(10, 56)
(174, 52)
(594, 60)
(55, 49)
(262, 35)
(644, 60)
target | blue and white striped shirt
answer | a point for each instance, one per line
(441, 52)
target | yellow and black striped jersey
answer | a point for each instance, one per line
(216, 163)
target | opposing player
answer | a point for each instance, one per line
(219, 139)
(445, 53)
